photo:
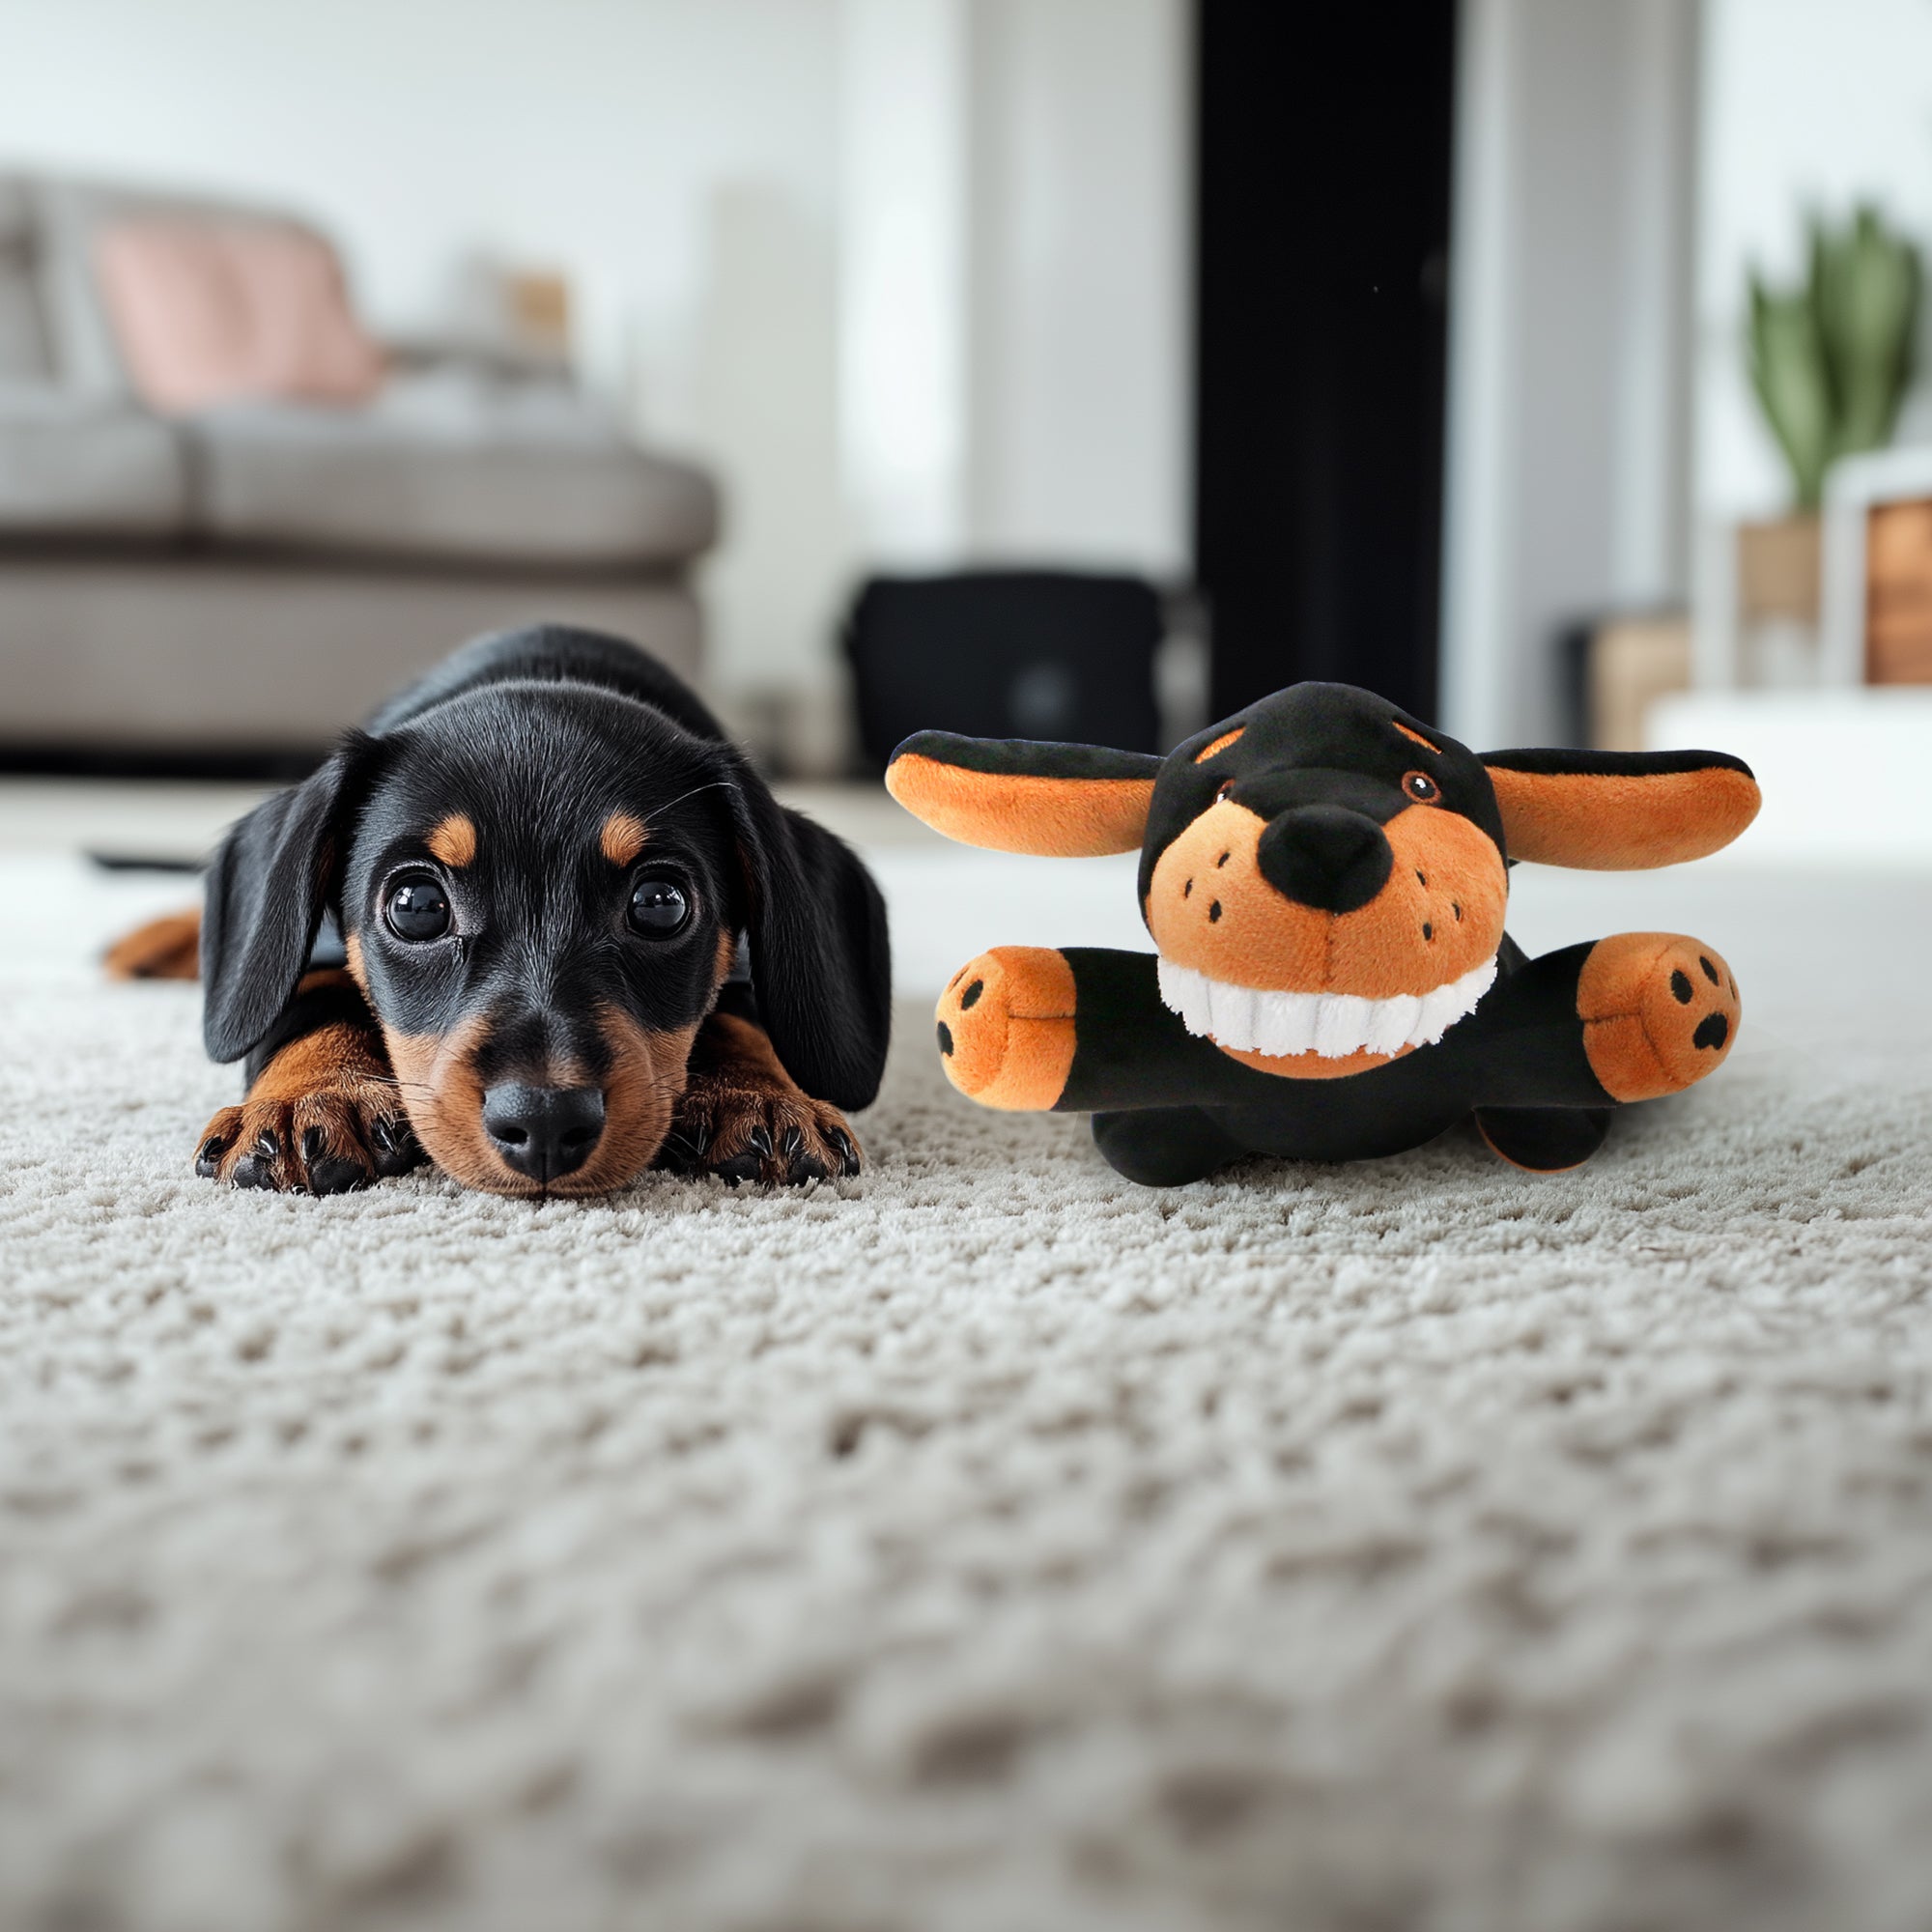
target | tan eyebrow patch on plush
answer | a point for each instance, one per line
(454, 839)
(1415, 737)
(623, 837)
(1219, 745)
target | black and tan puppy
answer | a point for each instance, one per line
(499, 927)
(1325, 879)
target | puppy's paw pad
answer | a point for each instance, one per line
(1006, 1027)
(330, 1142)
(1660, 1011)
(742, 1129)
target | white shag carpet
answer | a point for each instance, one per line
(985, 1544)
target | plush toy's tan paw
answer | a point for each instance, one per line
(164, 948)
(1006, 1028)
(1659, 1011)
(329, 1141)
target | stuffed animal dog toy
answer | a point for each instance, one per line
(501, 926)
(1324, 879)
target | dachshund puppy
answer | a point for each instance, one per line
(504, 927)
(1324, 879)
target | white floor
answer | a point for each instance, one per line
(984, 1543)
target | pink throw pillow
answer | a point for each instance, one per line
(210, 312)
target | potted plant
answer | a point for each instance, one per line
(1831, 361)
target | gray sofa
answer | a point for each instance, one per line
(258, 576)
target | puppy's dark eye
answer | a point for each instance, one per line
(1419, 784)
(659, 907)
(418, 909)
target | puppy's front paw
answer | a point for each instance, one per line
(1660, 1011)
(329, 1141)
(1006, 1028)
(744, 1125)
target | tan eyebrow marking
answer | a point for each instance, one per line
(1219, 745)
(1416, 736)
(454, 839)
(623, 837)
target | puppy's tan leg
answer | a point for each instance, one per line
(168, 948)
(321, 1117)
(744, 1117)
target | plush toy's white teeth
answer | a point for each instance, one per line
(1333, 1025)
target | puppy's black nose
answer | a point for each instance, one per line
(1326, 855)
(544, 1131)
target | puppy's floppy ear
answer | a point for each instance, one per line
(1614, 812)
(267, 889)
(1013, 795)
(821, 962)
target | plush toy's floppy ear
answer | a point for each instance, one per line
(1056, 801)
(1618, 811)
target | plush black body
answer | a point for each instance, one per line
(1169, 1105)
(602, 855)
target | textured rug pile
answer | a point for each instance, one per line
(981, 1544)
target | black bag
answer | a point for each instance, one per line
(1005, 654)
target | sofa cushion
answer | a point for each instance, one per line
(76, 466)
(205, 312)
(448, 469)
(23, 343)
(69, 216)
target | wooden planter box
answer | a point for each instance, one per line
(1898, 593)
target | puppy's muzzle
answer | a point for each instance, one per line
(544, 1132)
(1325, 857)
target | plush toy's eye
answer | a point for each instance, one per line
(417, 908)
(1420, 786)
(659, 907)
(1224, 789)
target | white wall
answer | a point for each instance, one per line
(906, 317)
(1569, 311)
(1082, 272)
(709, 174)
(1807, 104)
(592, 134)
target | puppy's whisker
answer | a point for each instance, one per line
(710, 784)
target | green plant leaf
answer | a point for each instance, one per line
(1832, 361)
(1788, 372)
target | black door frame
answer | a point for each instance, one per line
(1322, 193)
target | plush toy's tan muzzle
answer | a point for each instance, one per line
(1431, 930)
(1439, 915)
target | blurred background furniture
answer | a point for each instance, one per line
(238, 583)
(1876, 595)
(1060, 655)
(1616, 665)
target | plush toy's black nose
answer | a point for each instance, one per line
(1326, 855)
(544, 1131)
